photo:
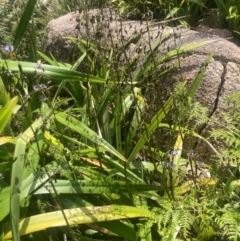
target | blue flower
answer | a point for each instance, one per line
(36, 87)
(39, 87)
(8, 48)
(174, 153)
(39, 66)
(42, 86)
(150, 14)
(191, 154)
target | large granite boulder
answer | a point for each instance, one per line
(105, 28)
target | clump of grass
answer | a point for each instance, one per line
(82, 157)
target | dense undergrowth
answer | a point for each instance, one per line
(79, 161)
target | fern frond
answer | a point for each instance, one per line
(229, 222)
(144, 228)
(171, 225)
(185, 222)
(167, 217)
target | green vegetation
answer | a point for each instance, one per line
(78, 158)
(226, 12)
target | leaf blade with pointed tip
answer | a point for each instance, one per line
(22, 26)
(82, 129)
(76, 216)
(6, 112)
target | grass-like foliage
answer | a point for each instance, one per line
(79, 155)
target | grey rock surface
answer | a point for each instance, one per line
(105, 28)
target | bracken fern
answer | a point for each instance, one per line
(229, 223)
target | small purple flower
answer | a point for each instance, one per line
(199, 62)
(36, 87)
(191, 154)
(174, 153)
(42, 86)
(8, 48)
(39, 66)
(39, 87)
(150, 14)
